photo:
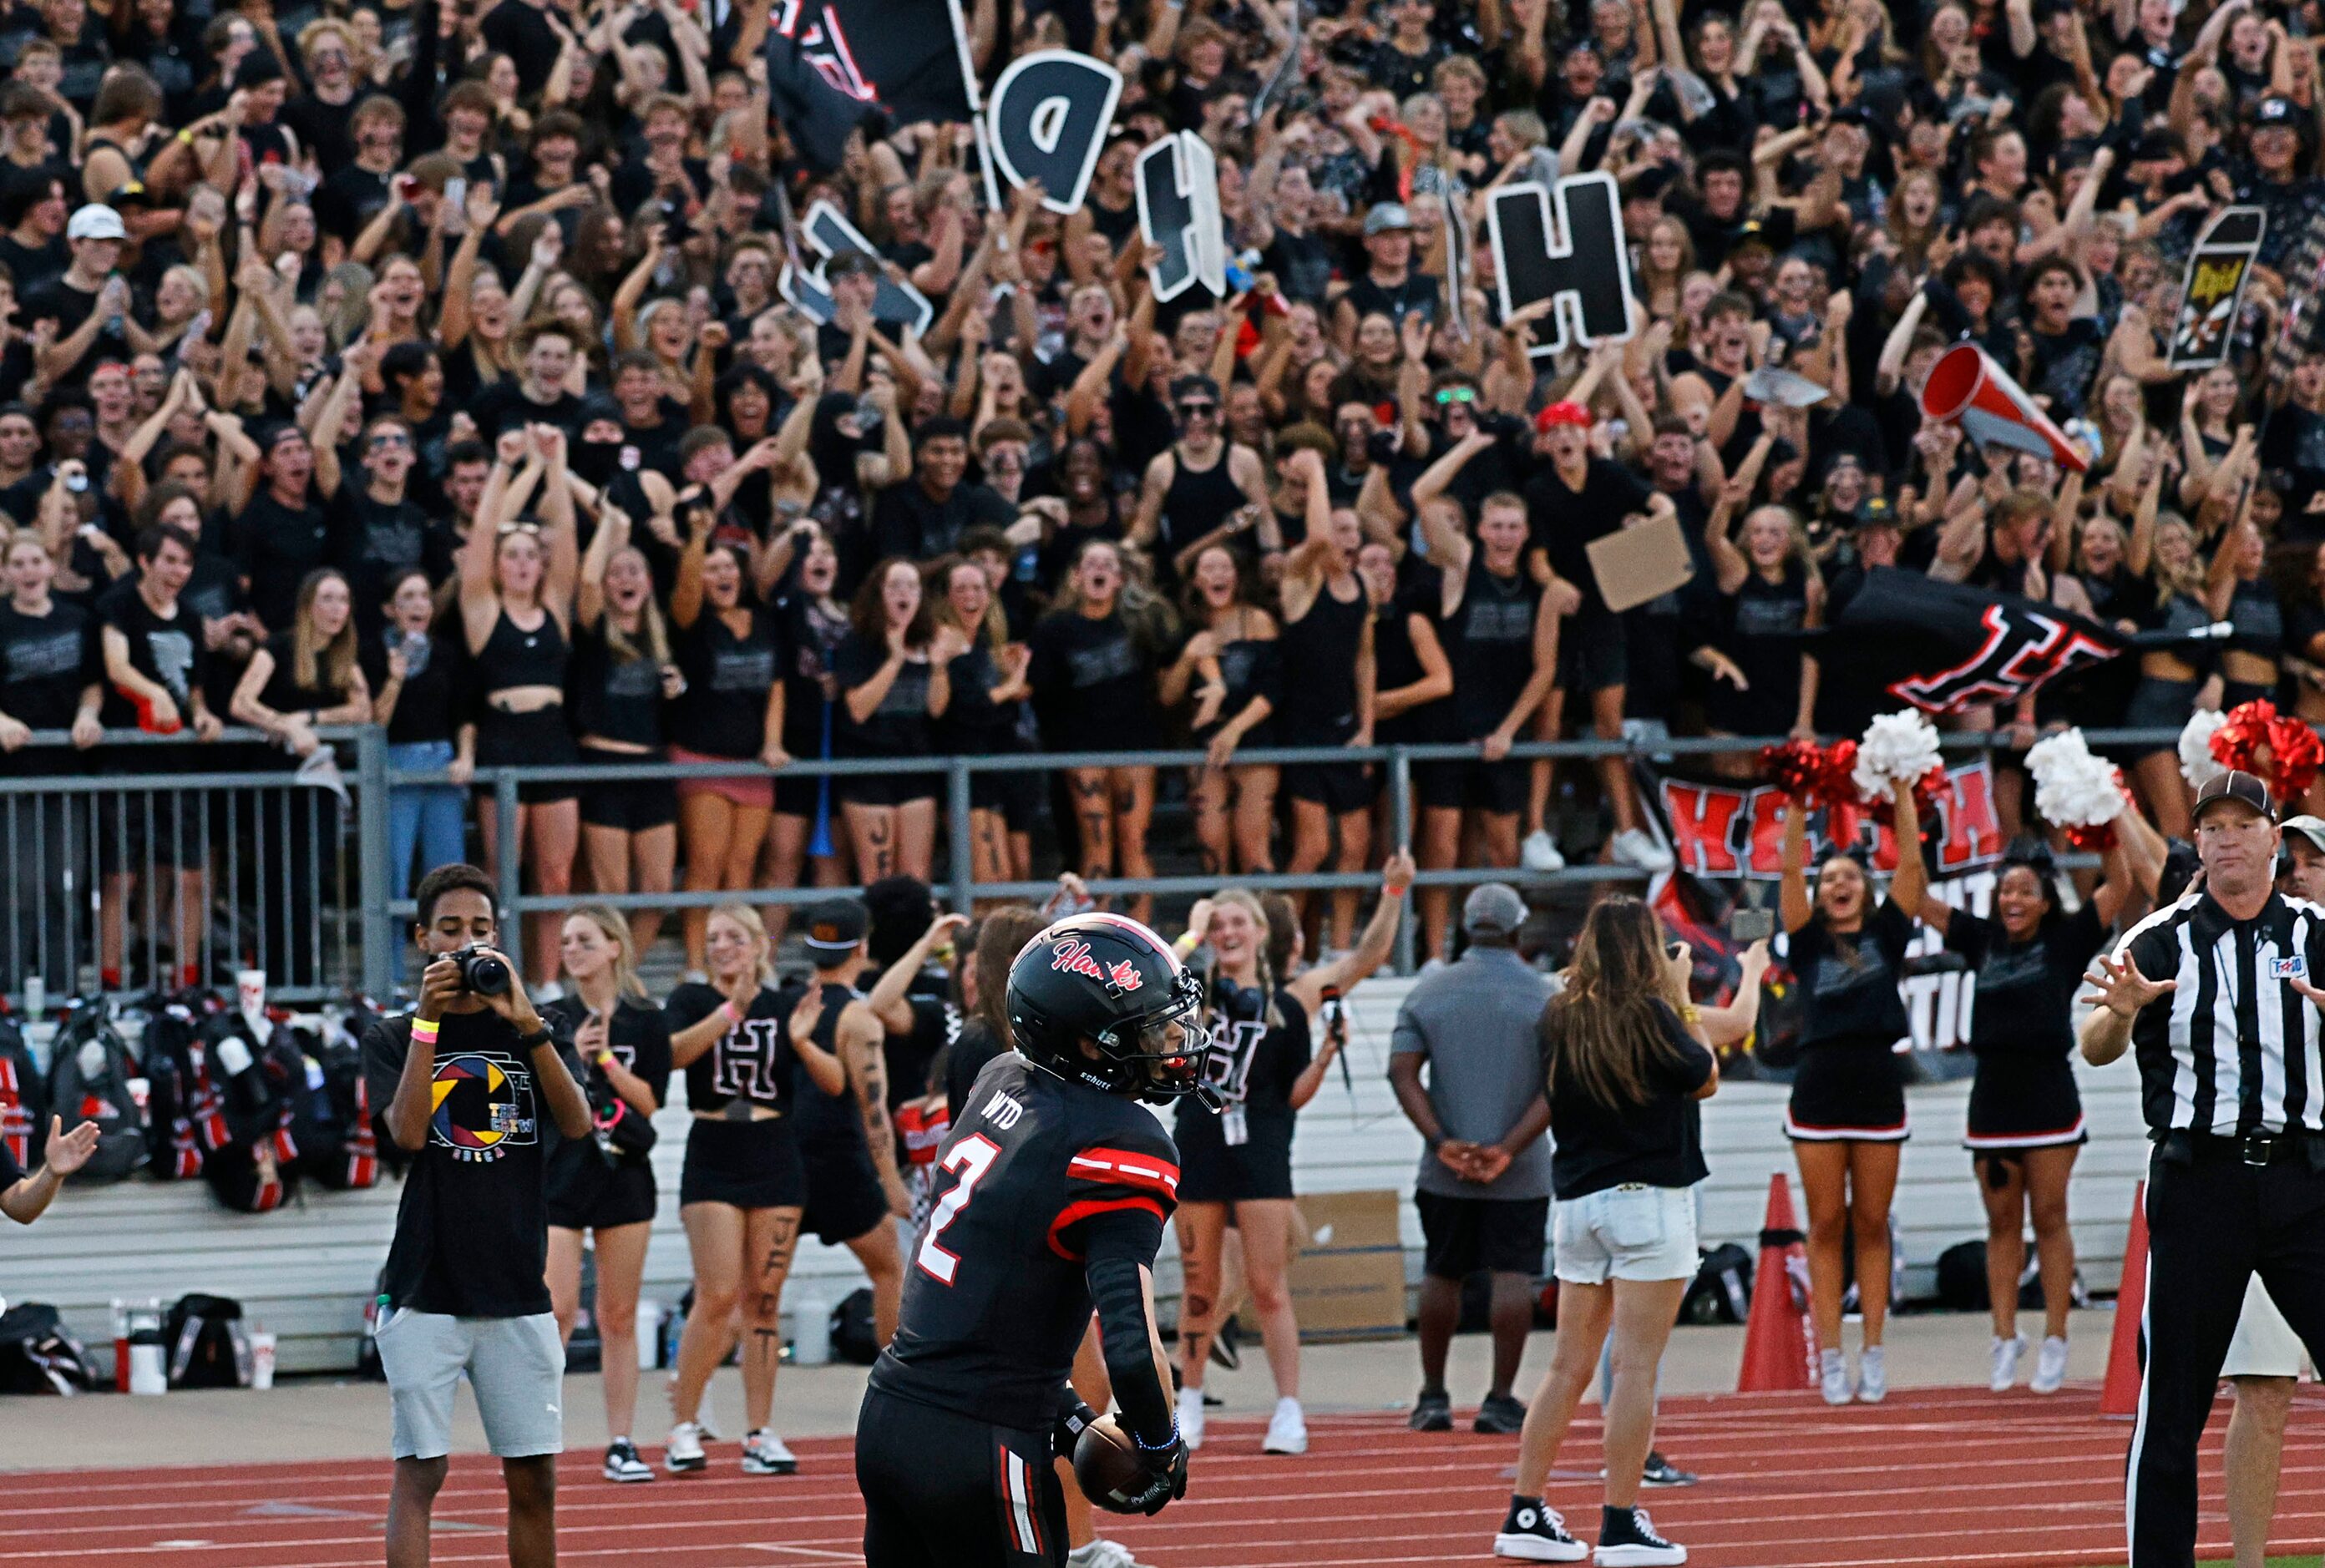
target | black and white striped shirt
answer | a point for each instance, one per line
(2235, 1049)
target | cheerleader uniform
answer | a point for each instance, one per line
(735, 1154)
(844, 1200)
(2021, 1030)
(592, 1186)
(1242, 1150)
(1849, 1087)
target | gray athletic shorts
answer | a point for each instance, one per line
(516, 1365)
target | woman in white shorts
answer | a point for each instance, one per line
(1624, 1064)
(2265, 1360)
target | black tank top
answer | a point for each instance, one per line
(2259, 620)
(823, 1120)
(514, 658)
(1319, 655)
(136, 164)
(1250, 666)
(1759, 618)
(1491, 640)
(615, 698)
(1195, 504)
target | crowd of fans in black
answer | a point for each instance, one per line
(427, 365)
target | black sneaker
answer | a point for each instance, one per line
(1500, 1415)
(1662, 1471)
(1532, 1532)
(1432, 1412)
(622, 1463)
(1627, 1539)
(1227, 1345)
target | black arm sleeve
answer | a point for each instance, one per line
(1116, 1251)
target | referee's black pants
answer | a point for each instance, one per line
(2213, 1221)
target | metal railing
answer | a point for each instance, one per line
(284, 872)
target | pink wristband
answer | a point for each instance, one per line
(422, 1034)
(727, 1011)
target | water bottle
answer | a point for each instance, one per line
(811, 1331)
(36, 995)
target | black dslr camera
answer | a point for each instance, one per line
(481, 972)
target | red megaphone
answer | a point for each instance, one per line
(1967, 388)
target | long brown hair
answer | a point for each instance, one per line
(317, 664)
(1600, 1036)
(1001, 936)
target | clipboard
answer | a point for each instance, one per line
(1635, 565)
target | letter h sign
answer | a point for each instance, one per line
(1581, 265)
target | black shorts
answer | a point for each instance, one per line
(800, 794)
(887, 788)
(1017, 796)
(159, 827)
(540, 739)
(1212, 1170)
(2024, 1102)
(1340, 788)
(844, 1200)
(586, 1193)
(1847, 1094)
(2157, 704)
(1473, 784)
(1464, 1235)
(1592, 654)
(626, 805)
(946, 1490)
(752, 1164)
(2234, 694)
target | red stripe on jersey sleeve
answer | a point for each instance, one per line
(1126, 1167)
(1074, 1213)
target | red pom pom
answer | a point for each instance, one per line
(2295, 755)
(1812, 774)
(2096, 839)
(2237, 744)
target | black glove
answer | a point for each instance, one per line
(1166, 1474)
(1067, 1432)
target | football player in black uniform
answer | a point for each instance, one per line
(1061, 1183)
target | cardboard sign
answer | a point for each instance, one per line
(1580, 263)
(2217, 270)
(1047, 121)
(1178, 210)
(1635, 565)
(897, 303)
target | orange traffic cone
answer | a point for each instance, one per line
(1780, 1341)
(2120, 1395)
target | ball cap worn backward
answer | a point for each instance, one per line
(2235, 785)
(836, 926)
(96, 222)
(1493, 908)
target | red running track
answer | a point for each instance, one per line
(1952, 1477)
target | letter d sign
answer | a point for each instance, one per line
(1581, 265)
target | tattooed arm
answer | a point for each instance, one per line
(860, 1039)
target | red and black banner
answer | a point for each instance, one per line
(834, 64)
(1940, 647)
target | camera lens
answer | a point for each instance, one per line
(484, 973)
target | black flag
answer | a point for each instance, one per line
(833, 64)
(1937, 646)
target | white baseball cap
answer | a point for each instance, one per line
(96, 221)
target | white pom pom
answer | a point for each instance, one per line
(2063, 749)
(2074, 789)
(1895, 746)
(2197, 763)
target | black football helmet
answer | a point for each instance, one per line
(1111, 981)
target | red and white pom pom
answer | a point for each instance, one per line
(1896, 746)
(2197, 763)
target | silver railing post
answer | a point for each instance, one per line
(963, 835)
(1400, 816)
(372, 873)
(512, 866)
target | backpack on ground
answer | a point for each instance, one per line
(251, 1169)
(207, 1346)
(24, 1099)
(331, 1111)
(89, 1081)
(172, 1150)
(1721, 1290)
(853, 1338)
(38, 1355)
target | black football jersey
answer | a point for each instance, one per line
(996, 1302)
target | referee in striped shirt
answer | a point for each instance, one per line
(2213, 995)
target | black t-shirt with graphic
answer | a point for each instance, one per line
(2025, 990)
(722, 712)
(171, 652)
(638, 1034)
(1659, 1143)
(1850, 982)
(751, 1061)
(276, 546)
(1252, 1064)
(899, 726)
(472, 1229)
(45, 663)
(1093, 685)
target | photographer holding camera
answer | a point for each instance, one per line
(464, 1078)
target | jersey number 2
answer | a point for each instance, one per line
(972, 1156)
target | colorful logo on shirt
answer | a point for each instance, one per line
(2293, 968)
(483, 1106)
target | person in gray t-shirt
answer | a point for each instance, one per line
(1484, 1185)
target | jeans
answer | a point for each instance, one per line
(426, 817)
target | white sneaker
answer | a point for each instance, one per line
(1287, 1429)
(2049, 1366)
(764, 1453)
(1102, 1554)
(1832, 1377)
(1872, 1375)
(2002, 1362)
(1633, 847)
(1190, 1418)
(683, 1454)
(1540, 852)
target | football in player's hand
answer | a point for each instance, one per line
(1108, 1467)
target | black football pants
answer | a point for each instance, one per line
(2213, 1221)
(944, 1491)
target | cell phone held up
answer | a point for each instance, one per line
(1748, 926)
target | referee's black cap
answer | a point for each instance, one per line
(2236, 785)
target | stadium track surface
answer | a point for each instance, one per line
(1936, 1477)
